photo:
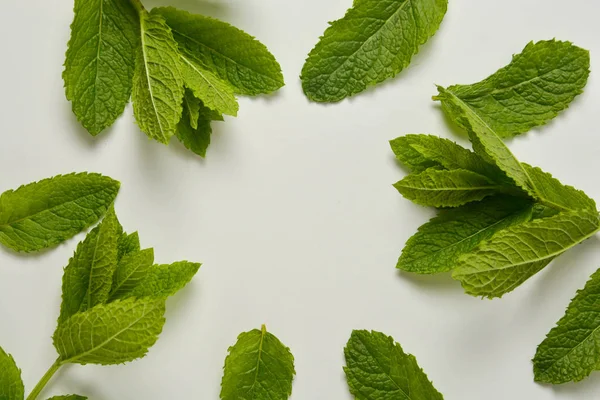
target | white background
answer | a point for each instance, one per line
(292, 212)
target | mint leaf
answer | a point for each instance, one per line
(197, 139)
(515, 254)
(110, 333)
(439, 243)
(68, 397)
(571, 349)
(11, 385)
(258, 366)
(88, 276)
(191, 106)
(538, 84)
(100, 61)
(131, 270)
(157, 82)
(454, 188)
(127, 244)
(378, 369)
(162, 281)
(374, 41)
(45, 213)
(227, 51)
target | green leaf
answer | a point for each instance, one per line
(112, 333)
(530, 91)
(515, 254)
(127, 244)
(11, 385)
(88, 276)
(378, 369)
(197, 139)
(157, 83)
(68, 397)
(374, 41)
(164, 280)
(191, 106)
(214, 93)
(258, 367)
(227, 51)
(439, 243)
(571, 351)
(131, 270)
(100, 61)
(45, 213)
(454, 188)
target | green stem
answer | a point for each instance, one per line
(137, 4)
(45, 379)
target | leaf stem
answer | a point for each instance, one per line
(137, 4)
(45, 379)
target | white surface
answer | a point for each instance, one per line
(293, 213)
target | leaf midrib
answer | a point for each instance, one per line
(199, 72)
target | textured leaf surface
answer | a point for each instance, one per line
(538, 84)
(515, 254)
(191, 106)
(374, 41)
(571, 351)
(131, 270)
(227, 51)
(68, 397)
(45, 213)
(378, 369)
(164, 280)
(258, 367)
(439, 243)
(88, 277)
(197, 139)
(128, 243)
(100, 61)
(437, 188)
(110, 333)
(11, 385)
(157, 83)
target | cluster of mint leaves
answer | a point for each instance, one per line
(374, 41)
(500, 220)
(182, 71)
(113, 295)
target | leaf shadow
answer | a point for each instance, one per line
(76, 386)
(435, 283)
(81, 135)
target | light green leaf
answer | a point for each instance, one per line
(162, 281)
(11, 385)
(214, 93)
(227, 51)
(515, 254)
(42, 214)
(68, 397)
(112, 333)
(571, 351)
(127, 244)
(439, 243)
(100, 61)
(131, 270)
(378, 369)
(191, 106)
(88, 277)
(454, 188)
(538, 84)
(197, 139)
(258, 367)
(374, 41)
(157, 83)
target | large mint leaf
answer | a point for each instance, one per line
(110, 333)
(197, 139)
(131, 270)
(42, 214)
(11, 385)
(538, 84)
(100, 61)
(374, 41)
(227, 51)
(571, 350)
(439, 243)
(443, 188)
(515, 254)
(165, 280)
(258, 367)
(88, 277)
(378, 369)
(157, 82)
